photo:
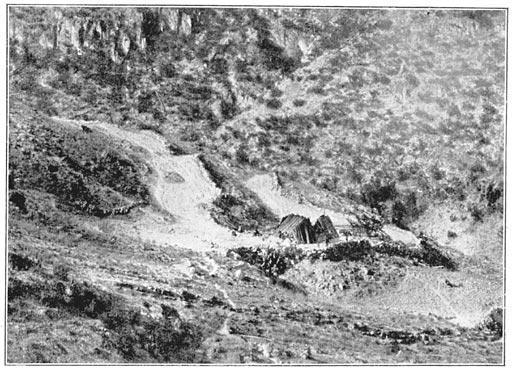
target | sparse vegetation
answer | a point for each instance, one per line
(299, 102)
(136, 337)
(382, 116)
(237, 207)
(272, 262)
(274, 103)
(82, 170)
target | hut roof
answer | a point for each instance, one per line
(324, 229)
(297, 227)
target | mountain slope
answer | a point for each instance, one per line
(153, 151)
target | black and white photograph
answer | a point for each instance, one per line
(255, 184)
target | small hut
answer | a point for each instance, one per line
(297, 228)
(324, 229)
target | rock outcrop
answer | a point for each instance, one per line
(81, 29)
(121, 30)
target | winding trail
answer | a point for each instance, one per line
(188, 200)
(268, 191)
(182, 187)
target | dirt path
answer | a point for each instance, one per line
(181, 187)
(268, 191)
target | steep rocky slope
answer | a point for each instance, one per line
(152, 152)
(386, 107)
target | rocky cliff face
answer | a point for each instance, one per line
(82, 30)
(131, 49)
(119, 31)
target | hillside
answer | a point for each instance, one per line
(154, 151)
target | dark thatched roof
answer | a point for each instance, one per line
(324, 229)
(298, 228)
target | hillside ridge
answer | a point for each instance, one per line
(156, 155)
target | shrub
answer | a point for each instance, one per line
(276, 92)
(139, 338)
(451, 234)
(276, 57)
(229, 109)
(405, 209)
(190, 135)
(21, 262)
(144, 124)
(18, 198)
(145, 103)
(429, 254)
(26, 80)
(274, 104)
(264, 141)
(384, 24)
(490, 114)
(299, 102)
(79, 298)
(399, 214)
(168, 70)
(90, 300)
(454, 112)
(494, 321)
(385, 80)
(493, 193)
(319, 90)
(350, 251)
(378, 191)
(477, 212)
(62, 272)
(437, 173)
(18, 288)
(45, 103)
(272, 262)
(241, 155)
(191, 111)
(412, 80)
(219, 66)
